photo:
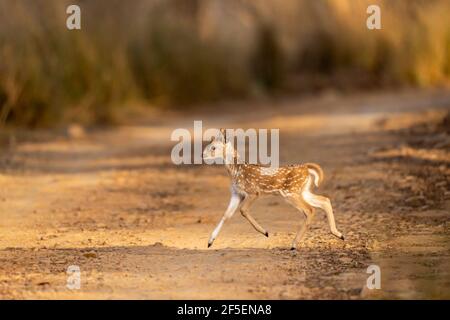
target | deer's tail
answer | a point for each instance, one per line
(316, 171)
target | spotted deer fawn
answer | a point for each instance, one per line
(249, 181)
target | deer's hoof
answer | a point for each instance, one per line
(342, 237)
(293, 248)
(209, 244)
(266, 234)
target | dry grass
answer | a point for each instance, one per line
(177, 53)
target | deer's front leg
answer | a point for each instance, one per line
(246, 202)
(234, 204)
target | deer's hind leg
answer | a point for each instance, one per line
(246, 203)
(325, 204)
(298, 202)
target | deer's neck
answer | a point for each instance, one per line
(231, 169)
(233, 164)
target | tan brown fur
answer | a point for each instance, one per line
(249, 179)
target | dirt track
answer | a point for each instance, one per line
(137, 225)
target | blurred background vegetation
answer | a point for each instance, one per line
(179, 53)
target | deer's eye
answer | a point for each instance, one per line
(213, 148)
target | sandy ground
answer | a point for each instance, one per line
(113, 204)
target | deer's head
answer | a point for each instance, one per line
(219, 148)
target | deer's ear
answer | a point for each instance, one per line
(223, 134)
